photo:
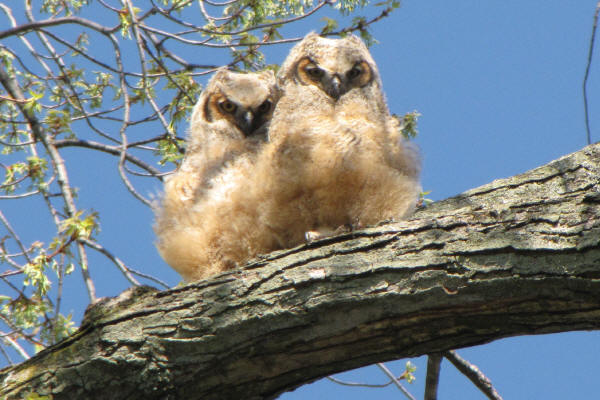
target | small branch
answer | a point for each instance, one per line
(357, 384)
(215, 45)
(36, 25)
(587, 72)
(5, 354)
(61, 276)
(13, 100)
(396, 381)
(113, 258)
(13, 343)
(138, 39)
(18, 196)
(89, 283)
(149, 277)
(360, 26)
(474, 374)
(369, 385)
(19, 269)
(225, 3)
(434, 363)
(114, 150)
(15, 236)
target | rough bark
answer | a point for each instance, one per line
(517, 256)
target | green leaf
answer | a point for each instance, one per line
(169, 151)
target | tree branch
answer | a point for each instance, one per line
(37, 25)
(114, 150)
(587, 73)
(434, 363)
(390, 375)
(517, 256)
(474, 375)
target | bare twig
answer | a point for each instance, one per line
(149, 277)
(15, 345)
(225, 3)
(114, 150)
(14, 264)
(123, 147)
(358, 384)
(59, 292)
(18, 196)
(396, 381)
(36, 25)
(143, 61)
(12, 232)
(587, 73)
(5, 354)
(124, 269)
(369, 385)
(474, 374)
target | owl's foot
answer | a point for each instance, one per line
(311, 236)
(321, 233)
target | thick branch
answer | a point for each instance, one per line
(434, 363)
(518, 256)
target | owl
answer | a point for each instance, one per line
(335, 154)
(228, 127)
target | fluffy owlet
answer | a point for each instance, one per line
(228, 127)
(335, 154)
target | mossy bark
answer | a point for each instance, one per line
(517, 256)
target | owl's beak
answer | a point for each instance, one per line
(333, 87)
(245, 122)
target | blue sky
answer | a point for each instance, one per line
(498, 84)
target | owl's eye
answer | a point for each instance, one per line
(265, 106)
(315, 73)
(227, 106)
(354, 72)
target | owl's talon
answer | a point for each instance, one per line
(311, 236)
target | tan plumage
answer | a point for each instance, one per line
(334, 158)
(335, 155)
(228, 127)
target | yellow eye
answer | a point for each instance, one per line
(314, 73)
(354, 72)
(227, 106)
(265, 106)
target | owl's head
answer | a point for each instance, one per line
(335, 66)
(239, 103)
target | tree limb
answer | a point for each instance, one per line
(37, 25)
(434, 363)
(114, 150)
(517, 256)
(474, 374)
(587, 74)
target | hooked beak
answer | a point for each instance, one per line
(333, 87)
(245, 122)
